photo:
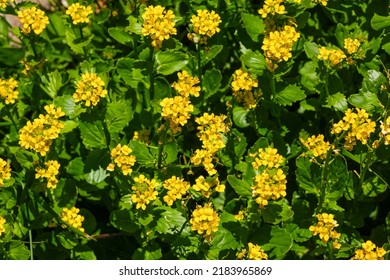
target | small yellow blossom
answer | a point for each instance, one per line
(142, 135)
(239, 216)
(159, 24)
(270, 184)
(72, 217)
(207, 186)
(144, 191)
(176, 111)
(90, 89)
(2, 222)
(205, 220)
(8, 90)
(5, 171)
(322, 2)
(332, 56)
(317, 145)
(351, 46)
(267, 157)
(272, 7)
(50, 173)
(243, 88)
(176, 189)
(122, 158)
(33, 19)
(187, 85)
(254, 252)
(385, 131)
(369, 252)
(206, 23)
(325, 229)
(79, 13)
(3, 3)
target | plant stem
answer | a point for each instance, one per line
(31, 245)
(81, 32)
(151, 77)
(199, 65)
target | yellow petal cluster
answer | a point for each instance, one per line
(90, 89)
(144, 191)
(205, 23)
(351, 46)
(205, 220)
(176, 189)
(122, 158)
(270, 184)
(385, 131)
(159, 24)
(267, 157)
(254, 252)
(358, 125)
(369, 251)
(8, 90)
(322, 2)
(79, 13)
(5, 171)
(317, 146)
(207, 186)
(3, 3)
(49, 173)
(325, 229)
(72, 217)
(39, 134)
(186, 85)
(331, 56)
(33, 19)
(243, 88)
(2, 222)
(272, 7)
(176, 110)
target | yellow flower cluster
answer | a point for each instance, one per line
(351, 46)
(277, 44)
(79, 13)
(211, 128)
(240, 215)
(358, 125)
(50, 173)
(3, 3)
(5, 171)
(270, 184)
(144, 191)
(39, 134)
(317, 145)
(206, 23)
(325, 229)
(205, 220)
(207, 186)
(72, 217)
(2, 222)
(159, 24)
(33, 19)
(272, 7)
(332, 56)
(242, 86)
(8, 90)
(369, 252)
(385, 131)
(177, 111)
(254, 252)
(176, 187)
(90, 89)
(142, 135)
(122, 157)
(267, 157)
(322, 2)
(187, 85)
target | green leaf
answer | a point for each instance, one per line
(280, 243)
(223, 240)
(69, 126)
(7, 198)
(120, 35)
(76, 168)
(142, 153)
(170, 221)
(52, 83)
(67, 239)
(76, 44)
(309, 77)
(240, 117)
(131, 73)
(150, 252)
(18, 251)
(254, 61)
(162, 88)
(366, 100)
(134, 26)
(211, 82)
(67, 104)
(93, 135)
(123, 220)
(65, 193)
(311, 50)
(277, 212)
(298, 234)
(373, 186)
(84, 252)
(209, 54)
(308, 175)
(337, 101)
(95, 177)
(118, 115)
(11, 56)
(169, 62)
(289, 95)
(254, 26)
(241, 187)
(380, 22)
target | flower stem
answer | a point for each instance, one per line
(199, 65)
(31, 244)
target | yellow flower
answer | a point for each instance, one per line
(206, 186)
(206, 23)
(269, 185)
(351, 46)
(267, 157)
(90, 89)
(369, 252)
(177, 111)
(158, 24)
(254, 252)
(5, 171)
(332, 56)
(322, 2)
(8, 90)
(385, 131)
(144, 191)
(50, 173)
(176, 187)
(122, 158)
(242, 86)
(3, 3)
(39, 134)
(142, 135)
(239, 216)
(272, 7)
(72, 217)
(205, 220)
(2, 222)
(33, 19)
(186, 85)
(79, 13)
(317, 146)
(325, 229)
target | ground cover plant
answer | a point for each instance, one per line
(218, 129)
